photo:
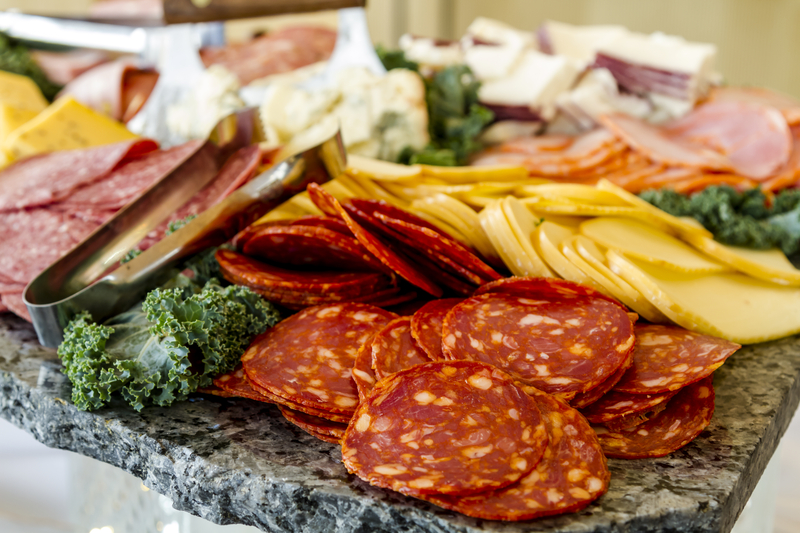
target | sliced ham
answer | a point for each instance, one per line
(788, 106)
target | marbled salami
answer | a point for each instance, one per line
(572, 473)
(363, 375)
(236, 384)
(447, 428)
(616, 405)
(669, 357)
(426, 325)
(591, 396)
(313, 425)
(280, 400)
(686, 416)
(563, 346)
(538, 287)
(323, 221)
(308, 358)
(394, 349)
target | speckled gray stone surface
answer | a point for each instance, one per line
(238, 461)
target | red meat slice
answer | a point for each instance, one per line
(426, 325)
(394, 349)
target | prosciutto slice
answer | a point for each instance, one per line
(788, 106)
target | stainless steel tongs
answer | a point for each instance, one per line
(68, 286)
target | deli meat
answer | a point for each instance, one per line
(562, 346)
(686, 416)
(308, 358)
(426, 325)
(591, 396)
(314, 425)
(236, 384)
(667, 358)
(394, 349)
(616, 405)
(447, 428)
(572, 473)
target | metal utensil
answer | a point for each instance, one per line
(65, 288)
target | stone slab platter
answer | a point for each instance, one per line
(238, 461)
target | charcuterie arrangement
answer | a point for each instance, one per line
(509, 283)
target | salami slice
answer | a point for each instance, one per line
(439, 276)
(589, 397)
(322, 221)
(279, 400)
(310, 246)
(313, 424)
(562, 346)
(669, 357)
(235, 383)
(426, 325)
(572, 473)
(308, 357)
(375, 207)
(616, 405)
(445, 427)
(363, 375)
(406, 270)
(685, 417)
(538, 287)
(394, 349)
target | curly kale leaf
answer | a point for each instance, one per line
(164, 349)
(175, 225)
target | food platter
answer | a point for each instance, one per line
(238, 461)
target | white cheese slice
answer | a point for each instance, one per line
(430, 52)
(597, 94)
(495, 60)
(579, 42)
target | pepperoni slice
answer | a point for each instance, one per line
(279, 400)
(310, 246)
(308, 358)
(434, 272)
(572, 473)
(406, 270)
(426, 325)
(537, 287)
(616, 405)
(394, 349)
(241, 238)
(685, 417)
(323, 221)
(669, 357)
(235, 383)
(375, 207)
(446, 428)
(589, 397)
(363, 375)
(562, 346)
(313, 424)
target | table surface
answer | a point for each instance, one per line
(239, 461)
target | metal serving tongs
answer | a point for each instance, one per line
(68, 286)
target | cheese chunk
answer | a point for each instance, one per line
(12, 118)
(64, 125)
(20, 92)
(578, 42)
(646, 242)
(731, 305)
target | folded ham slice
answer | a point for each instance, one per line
(788, 106)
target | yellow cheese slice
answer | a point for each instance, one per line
(770, 265)
(12, 118)
(442, 225)
(572, 192)
(680, 225)
(5, 159)
(576, 250)
(733, 306)
(65, 125)
(523, 226)
(569, 208)
(461, 217)
(376, 192)
(353, 186)
(21, 92)
(646, 242)
(376, 169)
(469, 174)
(288, 210)
(505, 244)
(550, 237)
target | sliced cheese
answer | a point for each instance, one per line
(21, 92)
(479, 173)
(64, 125)
(380, 170)
(442, 225)
(523, 225)
(570, 208)
(609, 288)
(733, 306)
(769, 265)
(550, 236)
(646, 242)
(12, 118)
(505, 244)
(572, 192)
(376, 192)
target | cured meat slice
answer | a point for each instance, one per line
(363, 375)
(562, 346)
(15, 304)
(406, 270)
(130, 178)
(667, 358)
(616, 405)
(313, 424)
(658, 146)
(376, 207)
(331, 223)
(310, 246)
(788, 106)
(279, 400)
(438, 275)
(590, 397)
(394, 349)
(447, 428)
(48, 178)
(238, 268)
(426, 325)
(438, 245)
(686, 416)
(573, 473)
(539, 287)
(753, 137)
(235, 383)
(309, 357)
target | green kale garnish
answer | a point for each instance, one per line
(15, 58)
(130, 256)
(393, 59)
(175, 225)
(165, 348)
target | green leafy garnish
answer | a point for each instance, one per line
(15, 58)
(130, 256)
(175, 225)
(165, 348)
(393, 59)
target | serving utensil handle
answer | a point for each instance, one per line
(181, 11)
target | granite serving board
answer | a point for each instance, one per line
(238, 461)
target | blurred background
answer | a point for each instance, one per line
(757, 42)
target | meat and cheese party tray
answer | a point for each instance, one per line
(550, 290)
